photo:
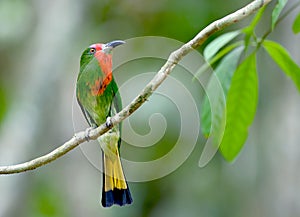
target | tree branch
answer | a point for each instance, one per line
(162, 74)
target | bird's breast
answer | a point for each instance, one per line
(100, 85)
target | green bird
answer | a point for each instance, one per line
(99, 99)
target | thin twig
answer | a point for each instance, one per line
(162, 74)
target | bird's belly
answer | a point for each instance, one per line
(98, 108)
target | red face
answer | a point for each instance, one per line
(94, 48)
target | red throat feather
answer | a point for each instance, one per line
(100, 85)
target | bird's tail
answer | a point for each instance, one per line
(115, 189)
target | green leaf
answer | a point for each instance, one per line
(240, 107)
(255, 20)
(213, 47)
(217, 57)
(284, 61)
(223, 75)
(225, 51)
(277, 10)
(296, 24)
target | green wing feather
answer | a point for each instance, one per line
(116, 106)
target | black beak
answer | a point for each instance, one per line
(114, 44)
(110, 45)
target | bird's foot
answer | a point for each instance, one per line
(87, 133)
(108, 122)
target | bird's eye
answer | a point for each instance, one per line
(92, 50)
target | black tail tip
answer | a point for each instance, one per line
(119, 197)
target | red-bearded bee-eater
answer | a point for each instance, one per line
(99, 99)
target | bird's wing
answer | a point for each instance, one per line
(116, 105)
(87, 116)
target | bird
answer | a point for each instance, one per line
(99, 99)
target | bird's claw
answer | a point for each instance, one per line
(108, 122)
(87, 133)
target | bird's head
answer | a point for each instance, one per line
(99, 52)
(95, 49)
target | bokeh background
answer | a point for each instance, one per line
(40, 45)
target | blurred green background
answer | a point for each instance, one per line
(40, 46)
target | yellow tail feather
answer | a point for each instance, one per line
(114, 176)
